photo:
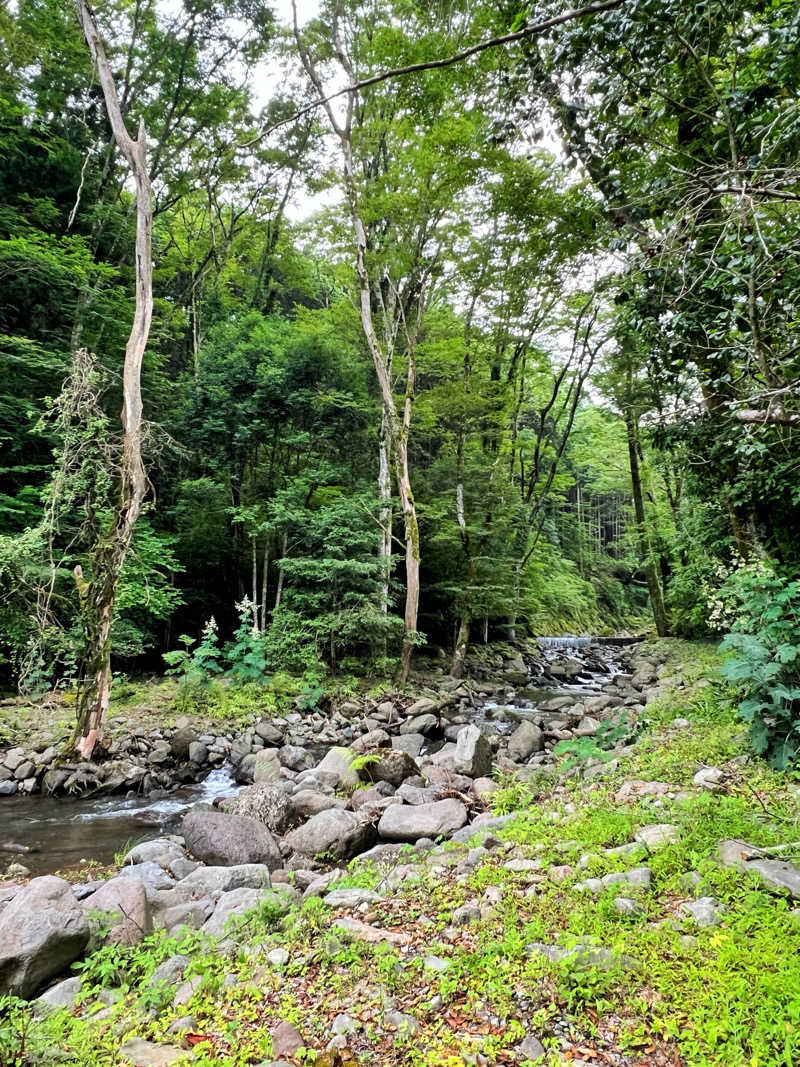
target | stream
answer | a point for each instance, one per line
(59, 833)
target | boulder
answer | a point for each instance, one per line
(42, 930)
(339, 761)
(526, 739)
(286, 1040)
(266, 803)
(410, 743)
(267, 766)
(207, 881)
(473, 755)
(161, 850)
(308, 802)
(123, 901)
(224, 840)
(404, 822)
(58, 996)
(181, 740)
(420, 724)
(268, 733)
(423, 706)
(234, 903)
(295, 758)
(388, 765)
(335, 833)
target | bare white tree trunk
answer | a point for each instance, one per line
(385, 514)
(98, 595)
(279, 590)
(264, 574)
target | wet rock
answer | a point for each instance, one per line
(225, 840)
(181, 741)
(42, 930)
(335, 833)
(473, 754)
(405, 822)
(198, 753)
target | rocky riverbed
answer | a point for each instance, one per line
(396, 771)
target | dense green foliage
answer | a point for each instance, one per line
(586, 248)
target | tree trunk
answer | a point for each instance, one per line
(397, 427)
(279, 590)
(254, 567)
(462, 644)
(385, 515)
(651, 572)
(99, 594)
(264, 575)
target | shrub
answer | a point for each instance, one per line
(762, 608)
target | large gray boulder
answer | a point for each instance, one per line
(42, 930)
(334, 833)
(388, 765)
(266, 803)
(224, 840)
(122, 906)
(473, 755)
(526, 739)
(404, 822)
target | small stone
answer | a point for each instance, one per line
(286, 1040)
(531, 1048)
(703, 912)
(710, 778)
(278, 957)
(436, 963)
(148, 1054)
(657, 836)
(626, 906)
(467, 913)
(402, 1024)
(350, 898)
(345, 1024)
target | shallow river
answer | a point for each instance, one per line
(64, 831)
(61, 832)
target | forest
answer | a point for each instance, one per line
(355, 352)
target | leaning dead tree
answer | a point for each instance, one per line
(98, 593)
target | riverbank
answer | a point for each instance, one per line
(593, 920)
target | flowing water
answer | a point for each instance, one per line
(61, 832)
